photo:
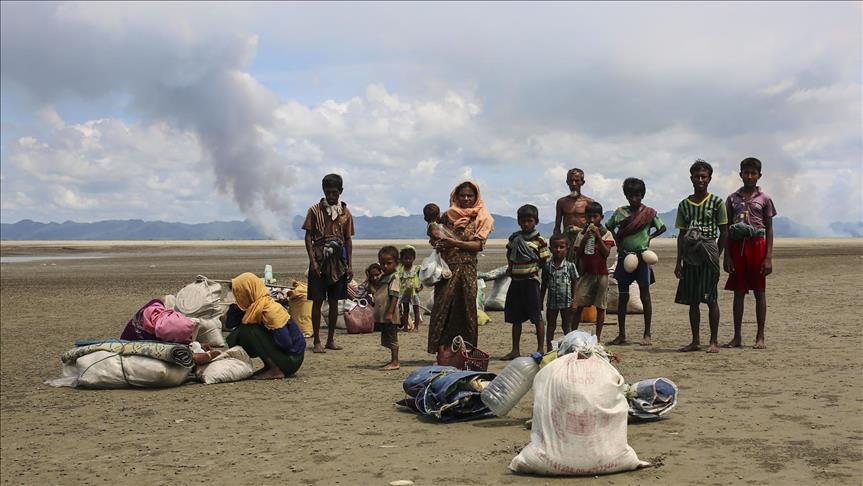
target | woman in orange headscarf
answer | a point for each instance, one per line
(264, 329)
(454, 309)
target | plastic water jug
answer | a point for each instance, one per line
(268, 274)
(513, 383)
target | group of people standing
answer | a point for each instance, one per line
(564, 275)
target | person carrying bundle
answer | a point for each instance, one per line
(263, 329)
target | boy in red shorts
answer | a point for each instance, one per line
(749, 258)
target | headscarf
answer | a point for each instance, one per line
(252, 296)
(460, 217)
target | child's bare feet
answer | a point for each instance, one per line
(689, 348)
(318, 348)
(392, 365)
(332, 345)
(618, 341)
(760, 344)
(645, 341)
(510, 356)
(734, 343)
(713, 348)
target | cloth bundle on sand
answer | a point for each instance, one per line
(154, 321)
(446, 393)
(106, 369)
(229, 366)
(651, 399)
(177, 354)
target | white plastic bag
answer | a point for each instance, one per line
(579, 421)
(495, 299)
(104, 369)
(434, 269)
(232, 365)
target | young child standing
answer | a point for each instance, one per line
(749, 257)
(701, 218)
(526, 254)
(329, 228)
(593, 244)
(409, 278)
(633, 224)
(386, 295)
(559, 280)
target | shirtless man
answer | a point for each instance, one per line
(569, 214)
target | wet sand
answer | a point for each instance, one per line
(790, 414)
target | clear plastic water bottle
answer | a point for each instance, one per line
(513, 383)
(590, 246)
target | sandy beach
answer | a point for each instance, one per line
(790, 414)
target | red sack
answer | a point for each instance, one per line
(463, 355)
(360, 318)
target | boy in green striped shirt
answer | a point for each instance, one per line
(701, 217)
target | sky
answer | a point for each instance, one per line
(196, 112)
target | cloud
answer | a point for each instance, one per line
(259, 102)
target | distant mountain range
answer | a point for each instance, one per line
(367, 227)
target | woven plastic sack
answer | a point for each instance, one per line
(232, 365)
(200, 299)
(300, 307)
(104, 369)
(579, 421)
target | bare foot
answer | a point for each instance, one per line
(646, 341)
(714, 348)
(510, 356)
(691, 347)
(734, 343)
(318, 348)
(392, 365)
(618, 341)
(269, 374)
(332, 345)
(759, 344)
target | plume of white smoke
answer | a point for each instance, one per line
(165, 68)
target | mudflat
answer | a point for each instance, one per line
(790, 414)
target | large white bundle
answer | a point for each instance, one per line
(325, 313)
(104, 369)
(232, 365)
(210, 332)
(579, 421)
(200, 299)
(495, 299)
(634, 306)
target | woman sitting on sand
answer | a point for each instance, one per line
(264, 329)
(454, 310)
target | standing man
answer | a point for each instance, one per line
(329, 227)
(570, 213)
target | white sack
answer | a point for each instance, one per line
(433, 269)
(232, 365)
(104, 369)
(200, 299)
(579, 421)
(496, 297)
(635, 306)
(210, 332)
(325, 315)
